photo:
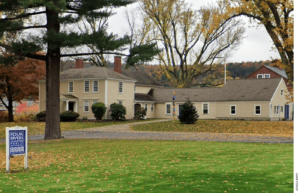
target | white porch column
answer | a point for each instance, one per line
(67, 105)
(75, 108)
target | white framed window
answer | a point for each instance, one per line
(260, 76)
(152, 107)
(86, 86)
(146, 107)
(257, 110)
(232, 110)
(281, 109)
(95, 86)
(120, 87)
(168, 108)
(94, 101)
(276, 110)
(120, 102)
(205, 108)
(267, 75)
(85, 106)
(281, 92)
(71, 87)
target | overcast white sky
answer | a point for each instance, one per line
(256, 46)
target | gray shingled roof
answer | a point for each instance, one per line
(278, 71)
(142, 97)
(142, 78)
(93, 72)
(234, 90)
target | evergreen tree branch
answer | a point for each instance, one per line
(22, 16)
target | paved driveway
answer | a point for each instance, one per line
(124, 131)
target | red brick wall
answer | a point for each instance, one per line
(264, 70)
(117, 64)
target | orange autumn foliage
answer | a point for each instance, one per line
(19, 79)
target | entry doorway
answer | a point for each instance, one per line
(137, 107)
(71, 106)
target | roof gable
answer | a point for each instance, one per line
(142, 78)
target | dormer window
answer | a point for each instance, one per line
(267, 75)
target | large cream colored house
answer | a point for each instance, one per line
(249, 99)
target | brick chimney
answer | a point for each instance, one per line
(117, 64)
(79, 63)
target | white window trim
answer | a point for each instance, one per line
(145, 106)
(85, 106)
(255, 109)
(94, 87)
(170, 108)
(207, 108)
(262, 76)
(152, 107)
(69, 86)
(282, 109)
(234, 109)
(281, 92)
(122, 87)
(94, 100)
(267, 74)
(84, 86)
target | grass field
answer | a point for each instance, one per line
(223, 126)
(37, 128)
(150, 166)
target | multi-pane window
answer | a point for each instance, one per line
(71, 86)
(152, 107)
(95, 86)
(120, 87)
(205, 108)
(168, 108)
(260, 76)
(86, 106)
(281, 92)
(281, 109)
(120, 102)
(276, 108)
(94, 101)
(267, 75)
(232, 110)
(86, 86)
(257, 110)
(146, 106)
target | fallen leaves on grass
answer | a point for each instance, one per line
(274, 128)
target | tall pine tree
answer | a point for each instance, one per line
(50, 16)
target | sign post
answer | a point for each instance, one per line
(174, 97)
(16, 144)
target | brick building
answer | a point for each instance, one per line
(269, 72)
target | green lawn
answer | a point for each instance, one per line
(150, 166)
(223, 126)
(37, 128)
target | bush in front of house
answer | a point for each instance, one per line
(188, 113)
(68, 116)
(117, 111)
(140, 114)
(99, 110)
(3, 116)
(41, 116)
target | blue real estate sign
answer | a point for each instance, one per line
(17, 142)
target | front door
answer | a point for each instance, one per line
(286, 111)
(71, 106)
(180, 106)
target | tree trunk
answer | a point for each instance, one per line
(52, 127)
(10, 110)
